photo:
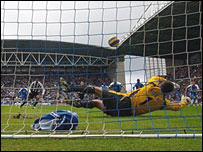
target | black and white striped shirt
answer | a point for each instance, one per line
(36, 87)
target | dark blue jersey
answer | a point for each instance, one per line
(116, 86)
(23, 92)
(138, 85)
(104, 87)
(192, 89)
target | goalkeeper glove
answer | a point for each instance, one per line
(186, 99)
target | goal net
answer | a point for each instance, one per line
(50, 40)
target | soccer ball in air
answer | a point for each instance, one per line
(114, 41)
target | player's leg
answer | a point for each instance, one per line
(95, 103)
(193, 99)
(195, 102)
(24, 102)
(37, 97)
(93, 89)
(177, 106)
(78, 88)
(24, 99)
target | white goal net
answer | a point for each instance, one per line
(48, 40)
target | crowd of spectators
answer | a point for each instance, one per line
(50, 78)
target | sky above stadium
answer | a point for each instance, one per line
(87, 22)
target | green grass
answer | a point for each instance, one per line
(188, 120)
(124, 144)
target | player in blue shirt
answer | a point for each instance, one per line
(104, 86)
(23, 92)
(138, 85)
(192, 90)
(116, 86)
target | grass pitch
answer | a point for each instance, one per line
(188, 120)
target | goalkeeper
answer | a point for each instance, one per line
(147, 99)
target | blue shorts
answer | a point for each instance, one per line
(24, 97)
(192, 95)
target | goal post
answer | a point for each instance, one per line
(106, 136)
(69, 39)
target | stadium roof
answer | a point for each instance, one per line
(164, 34)
(57, 47)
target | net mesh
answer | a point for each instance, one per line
(69, 39)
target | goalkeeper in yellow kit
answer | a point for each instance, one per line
(149, 98)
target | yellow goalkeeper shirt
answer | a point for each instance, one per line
(148, 98)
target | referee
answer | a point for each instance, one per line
(34, 92)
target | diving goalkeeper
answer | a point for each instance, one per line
(151, 97)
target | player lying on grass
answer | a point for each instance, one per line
(149, 98)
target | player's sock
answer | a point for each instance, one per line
(22, 104)
(34, 105)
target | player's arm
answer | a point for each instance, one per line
(158, 95)
(197, 87)
(19, 92)
(134, 87)
(186, 90)
(110, 86)
(170, 105)
(27, 90)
